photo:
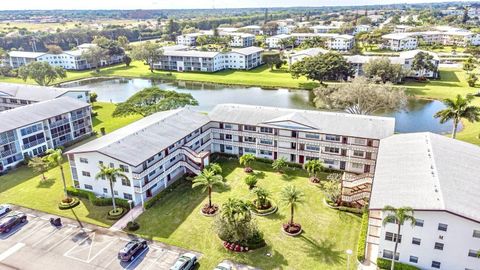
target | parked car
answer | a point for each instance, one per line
(223, 266)
(5, 208)
(11, 221)
(185, 262)
(131, 249)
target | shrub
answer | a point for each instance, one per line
(133, 226)
(386, 264)
(115, 215)
(63, 205)
(94, 199)
(362, 238)
(251, 181)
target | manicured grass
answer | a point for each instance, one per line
(176, 219)
(23, 186)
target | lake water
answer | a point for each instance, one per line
(417, 117)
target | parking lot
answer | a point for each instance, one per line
(37, 244)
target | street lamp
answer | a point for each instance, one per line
(130, 203)
(349, 252)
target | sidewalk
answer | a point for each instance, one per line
(131, 215)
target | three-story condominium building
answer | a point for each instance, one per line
(32, 129)
(17, 95)
(157, 149)
(439, 178)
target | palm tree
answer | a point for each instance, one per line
(207, 180)
(215, 167)
(313, 167)
(39, 165)
(55, 159)
(245, 160)
(235, 210)
(262, 197)
(110, 174)
(457, 109)
(398, 216)
(291, 197)
(279, 164)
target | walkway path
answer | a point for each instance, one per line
(131, 215)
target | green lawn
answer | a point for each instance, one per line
(176, 220)
(23, 186)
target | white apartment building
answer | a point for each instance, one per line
(400, 28)
(362, 28)
(438, 178)
(17, 95)
(32, 129)
(319, 29)
(237, 39)
(399, 41)
(182, 60)
(333, 41)
(158, 149)
(300, 55)
(70, 60)
(253, 29)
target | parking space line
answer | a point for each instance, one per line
(11, 250)
(156, 260)
(54, 231)
(90, 247)
(33, 230)
(70, 232)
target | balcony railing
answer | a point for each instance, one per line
(8, 153)
(32, 144)
(59, 123)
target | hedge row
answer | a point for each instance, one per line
(94, 199)
(362, 238)
(386, 264)
(148, 204)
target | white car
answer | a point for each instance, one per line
(223, 266)
(5, 208)
(186, 261)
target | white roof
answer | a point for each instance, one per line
(191, 53)
(363, 59)
(23, 54)
(412, 53)
(363, 126)
(427, 171)
(310, 52)
(398, 35)
(248, 50)
(36, 112)
(252, 27)
(135, 143)
(33, 92)
(175, 48)
(327, 27)
(281, 36)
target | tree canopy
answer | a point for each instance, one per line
(94, 56)
(361, 97)
(271, 59)
(149, 52)
(329, 66)
(41, 72)
(383, 69)
(422, 62)
(151, 100)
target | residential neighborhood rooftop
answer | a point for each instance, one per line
(33, 92)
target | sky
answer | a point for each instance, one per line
(184, 4)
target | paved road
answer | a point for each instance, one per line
(38, 245)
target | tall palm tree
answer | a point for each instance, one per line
(292, 197)
(208, 180)
(398, 216)
(457, 109)
(313, 167)
(55, 159)
(110, 174)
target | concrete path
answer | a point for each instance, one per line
(131, 215)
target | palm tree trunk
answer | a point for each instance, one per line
(63, 180)
(209, 197)
(291, 215)
(395, 249)
(455, 126)
(113, 195)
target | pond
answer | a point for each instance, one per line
(417, 117)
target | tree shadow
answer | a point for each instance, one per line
(288, 177)
(323, 250)
(47, 183)
(259, 174)
(276, 216)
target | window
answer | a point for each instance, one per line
(436, 264)
(228, 137)
(334, 150)
(358, 153)
(312, 136)
(228, 147)
(438, 246)
(413, 259)
(124, 168)
(312, 147)
(105, 190)
(388, 254)
(115, 193)
(476, 233)
(88, 187)
(250, 139)
(442, 227)
(419, 222)
(357, 165)
(266, 130)
(265, 152)
(125, 182)
(112, 165)
(249, 128)
(416, 241)
(127, 196)
(86, 174)
(84, 160)
(473, 253)
(334, 138)
(392, 237)
(228, 126)
(266, 141)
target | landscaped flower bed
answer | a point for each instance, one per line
(292, 229)
(235, 247)
(209, 210)
(248, 170)
(115, 215)
(268, 209)
(314, 180)
(68, 203)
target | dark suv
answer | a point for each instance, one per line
(131, 249)
(10, 221)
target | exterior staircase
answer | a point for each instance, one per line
(356, 189)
